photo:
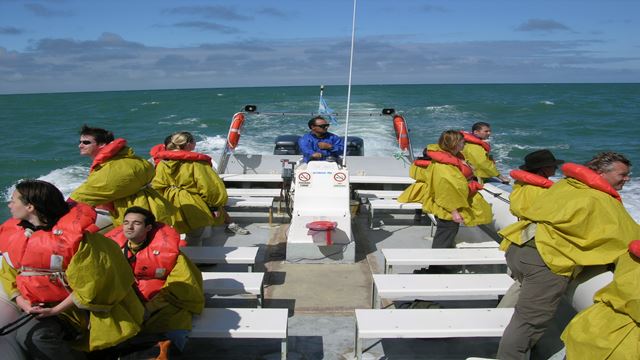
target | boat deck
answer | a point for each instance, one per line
(321, 298)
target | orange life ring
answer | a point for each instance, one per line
(234, 130)
(402, 132)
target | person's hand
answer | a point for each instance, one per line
(24, 304)
(457, 217)
(325, 146)
(316, 156)
(504, 179)
(43, 312)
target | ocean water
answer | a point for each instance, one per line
(575, 121)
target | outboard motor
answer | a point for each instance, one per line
(286, 145)
(355, 146)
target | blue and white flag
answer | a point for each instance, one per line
(324, 109)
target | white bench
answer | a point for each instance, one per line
(429, 323)
(242, 323)
(439, 287)
(426, 257)
(378, 194)
(256, 192)
(222, 255)
(389, 204)
(252, 202)
(232, 283)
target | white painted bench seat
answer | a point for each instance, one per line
(256, 192)
(234, 283)
(439, 287)
(389, 204)
(426, 257)
(242, 323)
(269, 178)
(377, 179)
(250, 201)
(429, 323)
(378, 194)
(222, 255)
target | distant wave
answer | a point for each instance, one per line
(440, 108)
(547, 102)
(185, 121)
(150, 103)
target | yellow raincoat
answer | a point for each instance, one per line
(447, 190)
(107, 309)
(521, 198)
(122, 180)
(483, 166)
(610, 328)
(181, 296)
(576, 226)
(417, 191)
(194, 188)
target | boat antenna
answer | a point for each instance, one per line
(346, 126)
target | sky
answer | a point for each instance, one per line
(85, 45)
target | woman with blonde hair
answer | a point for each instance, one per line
(451, 191)
(186, 179)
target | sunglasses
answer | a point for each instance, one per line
(324, 126)
(85, 142)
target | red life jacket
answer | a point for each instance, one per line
(589, 178)
(153, 263)
(42, 257)
(531, 178)
(108, 151)
(423, 163)
(444, 157)
(470, 138)
(160, 153)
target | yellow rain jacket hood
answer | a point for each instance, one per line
(194, 188)
(417, 191)
(119, 180)
(609, 329)
(447, 190)
(576, 226)
(102, 284)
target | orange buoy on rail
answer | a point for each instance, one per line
(234, 130)
(402, 132)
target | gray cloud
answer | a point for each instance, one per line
(210, 12)
(111, 62)
(542, 25)
(10, 30)
(42, 11)
(208, 26)
(273, 12)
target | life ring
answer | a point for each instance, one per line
(323, 225)
(234, 130)
(402, 132)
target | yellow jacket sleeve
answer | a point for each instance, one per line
(610, 328)
(522, 196)
(209, 185)
(180, 298)
(102, 280)
(417, 191)
(478, 158)
(8, 278)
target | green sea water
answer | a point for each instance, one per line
(575, 121)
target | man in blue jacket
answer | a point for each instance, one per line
(318, 144)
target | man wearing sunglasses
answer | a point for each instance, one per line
(319, 143)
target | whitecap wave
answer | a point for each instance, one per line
(547, 102)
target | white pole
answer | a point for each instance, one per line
(353, 39)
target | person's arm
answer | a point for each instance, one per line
(43, 312)
(337, 146)
(307, 148)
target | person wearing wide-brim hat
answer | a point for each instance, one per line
(541, 162)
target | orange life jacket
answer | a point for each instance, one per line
(589, 178)
(108, 151)
(470, 138)
(42, 256)
(154, 262)
(531, 178)
(444, 157)
(423, 163)
(160, 153)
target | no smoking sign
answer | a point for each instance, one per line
(340, 177)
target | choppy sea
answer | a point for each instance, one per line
(40, 131)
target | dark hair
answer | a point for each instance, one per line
(604, 161)
(313, 120)
(102, 136)
(479, 125)
(149, 218)
(47, 200)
